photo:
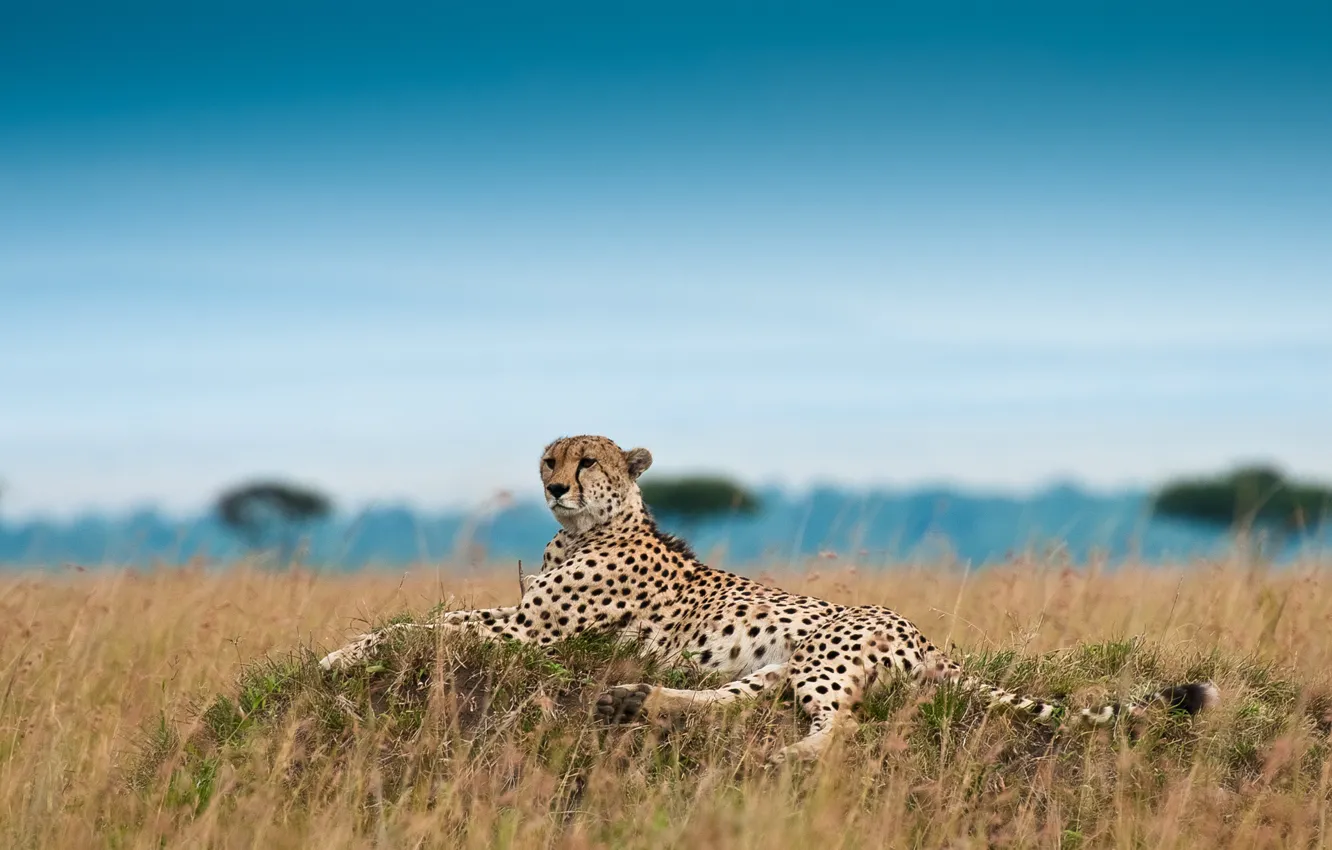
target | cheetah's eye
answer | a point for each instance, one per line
(587, 463)
(550, 463)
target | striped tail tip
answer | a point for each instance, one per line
(1193, 697)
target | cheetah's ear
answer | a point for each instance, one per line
(639, 460)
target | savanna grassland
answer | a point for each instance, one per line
(182, 708)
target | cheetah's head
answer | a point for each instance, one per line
(590, 480)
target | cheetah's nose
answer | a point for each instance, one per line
(557, 490)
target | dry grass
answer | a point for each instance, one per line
(112, 732)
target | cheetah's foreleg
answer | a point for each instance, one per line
(485, 622)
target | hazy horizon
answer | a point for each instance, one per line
(387, 253)
(502, 498)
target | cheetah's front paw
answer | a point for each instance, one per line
(351, 654)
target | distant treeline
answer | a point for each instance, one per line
(872, 527)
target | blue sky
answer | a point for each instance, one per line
(392, 251)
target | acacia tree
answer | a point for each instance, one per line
(270, 514)
(693, 499)
(1250, 498)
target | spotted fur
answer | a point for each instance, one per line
(610, 568)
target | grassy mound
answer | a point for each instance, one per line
(424, 706)
(494, 744)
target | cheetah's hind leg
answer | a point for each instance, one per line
(626, 703)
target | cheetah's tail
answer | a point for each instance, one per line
(1191, 697)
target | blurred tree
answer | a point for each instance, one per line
(1248, 499)
(692, 499)
(270, 514)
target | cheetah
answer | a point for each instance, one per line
(610, 568)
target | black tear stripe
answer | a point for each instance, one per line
(578, 479)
